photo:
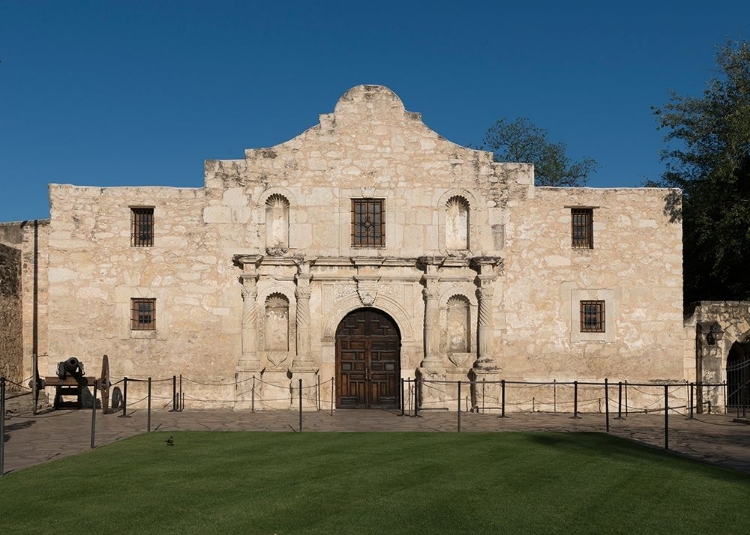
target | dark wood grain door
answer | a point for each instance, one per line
(367, 361)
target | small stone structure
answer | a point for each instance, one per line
(717, 341)
(364, 251)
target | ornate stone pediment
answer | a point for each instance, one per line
(368, 291)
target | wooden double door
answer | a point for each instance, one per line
(368, 361)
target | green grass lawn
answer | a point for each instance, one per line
(342, 483)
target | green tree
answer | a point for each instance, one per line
(708, 157)
(522, 141)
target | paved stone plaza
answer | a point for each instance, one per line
(31, 440)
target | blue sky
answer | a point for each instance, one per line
(111, 93)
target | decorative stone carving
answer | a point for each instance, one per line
(485, 362)
(461, 360)
(432, 360)
(276, 251)
(368, 192)
(342, 291)
(368, 291)
(303, 360)
(277, 359)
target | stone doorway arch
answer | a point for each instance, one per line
(738, 375)
(368, 360)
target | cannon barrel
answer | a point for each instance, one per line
(72, 367)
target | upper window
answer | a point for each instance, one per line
(582, 220)
(368, 223)
(143, 314)
(592, 317)
(142, 227)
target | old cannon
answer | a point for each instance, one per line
(71, 367)
(70, 381)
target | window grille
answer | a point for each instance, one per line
(592, 317)
(368, 223)
(143, 314)
(142, 227)
(582, 228)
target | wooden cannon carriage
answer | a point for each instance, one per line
(70, 382)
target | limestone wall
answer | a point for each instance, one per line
(635, 266)
(476, 265)
(11, 336)
(23, 297)
(95, 272)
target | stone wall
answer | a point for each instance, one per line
(23, 296)
(635, 266)
(253, 273)
(11, 336)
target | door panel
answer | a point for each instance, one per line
(368, 364)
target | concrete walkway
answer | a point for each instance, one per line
(31, 440)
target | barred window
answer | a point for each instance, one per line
(143, 314)
(368, 223)
(592, 317)
(582, 228)
(142, 225)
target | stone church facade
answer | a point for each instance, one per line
(364, 251)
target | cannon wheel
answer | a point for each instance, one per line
(104, 384)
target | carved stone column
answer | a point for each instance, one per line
(432, 360)
(303, 360)
(485, 362)
(249, 361)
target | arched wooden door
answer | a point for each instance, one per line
(368, 361)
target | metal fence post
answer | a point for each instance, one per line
(252, 396)
(691, 401)
(332, 385)
(626, 399)
(483, 383)
(619, 400)
(2, 425)
(300, 405)
(35, 384)
(148, 412)
(575, 399)
(502, 395)
(124, 397)
(554, 395)
(402, 396)
(459, 407)
(180, 396)
(174, 394)
(416, 396)
(666, 417)
(318, 392)
(606, 401)
(93, 415)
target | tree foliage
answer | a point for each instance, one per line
(709, 159)
(522, 141)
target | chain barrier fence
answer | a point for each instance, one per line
(503, 399)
